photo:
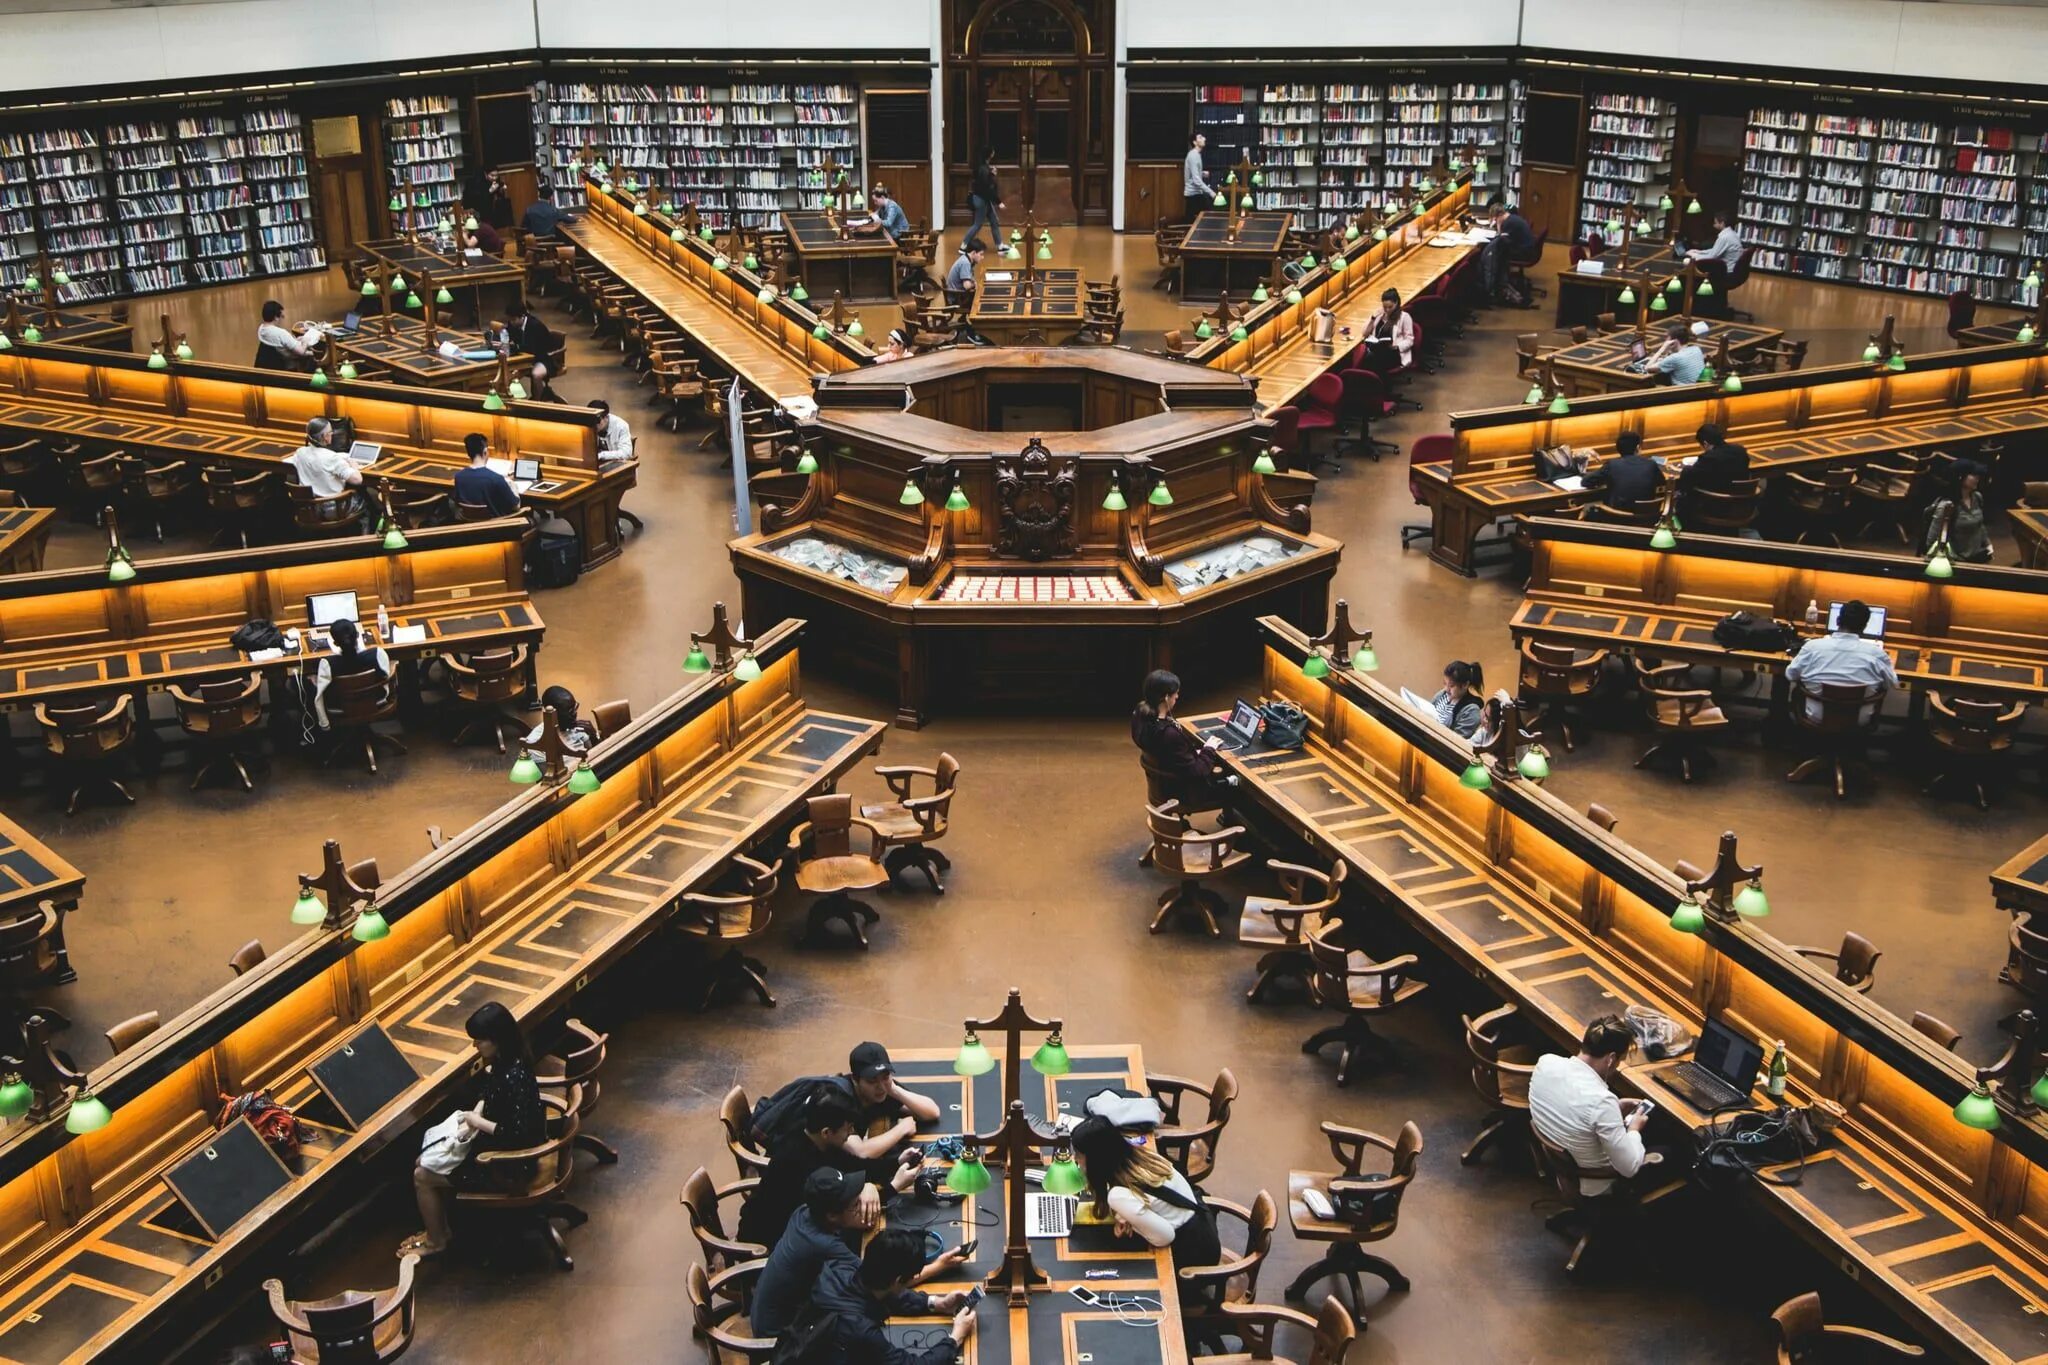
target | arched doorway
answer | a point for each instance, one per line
(1030, 80)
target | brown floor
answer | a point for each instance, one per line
(1046, 894)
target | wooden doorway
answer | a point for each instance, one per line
(1027, 120)
(1030, 80)
(346, 198)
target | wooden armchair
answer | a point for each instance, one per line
(1557, 678)
(1726, 512)
(152, 492)
(1528, 350)
(736, 1116)
(481, 686)
(1368, 1209)
(732, 920)
(1680, 715)
(921, 326)
(28, 466)
(1256, 1324)
(540, 1205)
(1190, 1146)
(1788, 355)
(1281, 925)
(1590, 1211)
(133, 1030)
(1972, 738)
(248, 957)
(341, 515)
(1806, 1338)
(1837, 733)
(351, 1328)
(910, 825)
(221, 717)
(355, 704)
(92, 481)
(610, 717)
(571, 1071)
(1886, 495)
(1504, 1052)
(1166, 240)
(1361, 990)
(1182, 851)
(718, 1313)
(85, 739)
(413, 511)
(1818, 504)
(702, 1203)
(831, 865)
(1234, 1279)
(1854, 963)
(1940, 1031)
(239, 504)
(678, 383)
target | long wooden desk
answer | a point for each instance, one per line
(412, 359)
(1945, 1223)
(450, 268)
(65, 328)
(1603, 364)
(861, 268)
(251, 419)
(1993, 333)
(1831, 417)
(2021, 881)
(1984, 631)
(1582, 297)
(32, 872)
(1055, 1328)
(1215, 260)
(769, 345)
(69, 633)
(529, 907)
(24, 532)
(1006, 316)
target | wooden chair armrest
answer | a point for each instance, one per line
(798, 837)
(1170, 1091)
(1348, 1144)
(1393, 966)
(1268, 1313)
(533, 1153)
(280, 1308)
(1875, 1338)
(1369, 1184)
(1241, 1212)
(1221, 836)
(1830, 955)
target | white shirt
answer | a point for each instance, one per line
(270, 334)
(1155, 1220)
(324, 471)
(615, 437)
(324, 675)
(1726, 249)
(1843, 658)
(1572, 1107)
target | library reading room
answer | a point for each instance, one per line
(1023, 682)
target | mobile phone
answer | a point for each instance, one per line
(974, 1296)
(1086, 1295)
(967, 1249)
(1645, 1108)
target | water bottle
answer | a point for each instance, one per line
(1813, 611)
(383, 625)
(1775, 1086)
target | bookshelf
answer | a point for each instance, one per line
(1290, 137)
(1479, 119)
(1230, 120)
(77, 223)
(423, 151)
(1414, 132)
(566, 118)
(1773, 184)
(1628, 157)
(1348, 180)
(274, 164)
(149, 208)
(215, 196)
(1978, 239)
(1518, 112)
(17, 211)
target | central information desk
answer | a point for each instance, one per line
(955, 542)
(251, 419)
(529, 908)
(1228, 253)
(1053, 1328)
(827, 261)
(1010, 305)
(1833, 417)
(1946, 1224)
(68, 633)
(770, 345)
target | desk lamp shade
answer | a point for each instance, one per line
(1657, 304)
(1751, 902)
(60, 277)
(515, 390)
(1475, 776)
(16, 1095)
(1732, 384)
(1016, 234)
(1062, 1176)
(696, 661)
(751, 261)
(748, 668)
(854, 328)
(1263, 464)
(1337, 263)
(1220, 200)
(1479, 165)
(821, 331)
(1259, 295)
(1870, 353)
(1245, 202)
(1365, 659)
(394, 537)
(348, 369)
(156, 357)
(525, 770)
(1159, 496)
(1627, 295)
(1230, 179)
(765, 295)
(1687, 917)
(1258, 178)
(1705, 291)
(120, 568)
(973, 1058)
(1664, 203)
(1693, 206)
(807, 463)
(2033, 279)
(442, 295)
(1292, 295)
(956, 498)
(1643, 228)
(1673, 285)
(1897, 363)
(1976, 1109)
(1534, 765)
(397, 204)
(676, 234)
(370, 925)
(1238, 333)
(419, 201)
(369, 289)
(1051, 1058)
(492, 401)
(968, 1175)
(6, 342)
(1114, 500)
(1663, 538)
(1316, 665)
(2026, 332)
(1614, 225)
(912, 495)
(1940, 563)
(89, 1113)
(1308, 260)
(183, 350)
(1379, 234)
(1559, 406)
(1534, 395)
(721, 262)
(413, 300)
(31, 333)
(584, 780)
(799, 293)
(705, 232)
(307, 909)
(2039, 1094)
(1203, 331)
(1351, 232)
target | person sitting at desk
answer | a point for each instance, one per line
(825, 1121)
(825, 1231)
(578, 735)
(1149, 1197)
(1679, 360)
(1720, 465)
(327, 472)
(544, 215)
(1571, 1106)
(1960, 519)
(277, 346)
(483, 237)
(1390, 336)
(525, 334)
(1457, 701)
(507, 1117)
(614, 437)
(960, 276)
(869, 1084)
(1513, 240)
(1844, 656)
(1631, 477)
(884, 215)
(1193, 772)
(481, 485)
(857, 1300)
(1720, 258)
(349, 658)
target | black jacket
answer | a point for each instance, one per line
(793, 1268)
(781, 1191)
(1718, 468)
(1520, 237)
(984, 183)
(1628, 480)
(1171, 748)
(531, 337)
(860, 1339)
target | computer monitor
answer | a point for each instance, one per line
(323, 609)
(1873, 631)
(526, 471)
(1729, 1055)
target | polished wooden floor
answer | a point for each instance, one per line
(1046, 894)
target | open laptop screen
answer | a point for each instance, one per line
(1873, 631)
(323, 609)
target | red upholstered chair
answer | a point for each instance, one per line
(1319, 412)
(1962, 312)
(1437, 448)
(1285, 437)
(1365, 401)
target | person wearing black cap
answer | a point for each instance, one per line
(871, 1077)
(858, 1299)
(826, 1231)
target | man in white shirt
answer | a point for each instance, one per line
(1571, 1106)
(320, 467)
(614, 437)
(1194, 180)
(1844, 656)
(277, 346)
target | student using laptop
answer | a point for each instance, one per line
(349, 658)
(319, 466)
(480, 485)
(1843, 655)
(1151, 1200)
(1571, 1106)
(1195, 773)
(614, 437)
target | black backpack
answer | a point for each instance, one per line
(1747, 630)
(812, 1338)
(780, 1115)
(555, 561)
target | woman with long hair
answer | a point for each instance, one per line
(1189, 766)
(506, 1117)
(1150, 1199)
(1457, 701)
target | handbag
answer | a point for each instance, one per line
(1286, 725)
(1743, 1143)
(446, 1145)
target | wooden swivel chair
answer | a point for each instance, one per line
(736, 1116)
(1557, 678)
(83, 740)
(1643, 512)
(1191, 1146)
(1235, 1278)
(718, 1313)
(731, 920)
(702, 1203)
(356, 703)
(1192, 798)
(92, 481)
(1166, 242)
(321, 518)
(1368, 1209)
(1602, 816)
(1681, 716)
(1255, 1325)
(481, 686)
(151, 493)
(1726, 512)
(831, 865)
(1504, 1052)
(911, 824)
(610, 717)
(1192, 856)
(240, 504)
(1837, 734)
(129, 1032)
(1281, 924)
(1806, 1338)
(351, 1328)
(1971, 737)
(30, 468)
(1936, 1029)
(1818, 504)
(415, 511)
(1589, 1212)
(541, 1204)
(571, 1070)
(1854, 963)
(247, 957)
(221, 717)
(2026, 963)
(1361, 990)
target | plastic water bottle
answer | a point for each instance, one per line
(383, 625)
(1813, 611)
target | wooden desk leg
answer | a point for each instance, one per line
(530, 699)
(63, 973)
(913, 669)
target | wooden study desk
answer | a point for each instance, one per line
(1229, 254)
(528, 907)
(24, 532)
(2020, 883)
(62, 327)
(412, 359)
(492, 284)
(32, 872)
(1007, 315)
(1055, 1328)
(251, 419)
(69, 633)
(1942, 1222)
(1982, 632)
(1583, 297)
(1996, 333)
(1830, 417)
(1602, 364)
(863, 268)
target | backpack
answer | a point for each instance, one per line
(780, 1115)
(1747, 630)
(812, 1337)
(276, 1124)
(555, 560)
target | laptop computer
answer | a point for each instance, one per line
(1873, 631)
(351, 324)
(323, 609)
(1241, 730)
(363, 454)
(1049, 1215)
(1722, 1071)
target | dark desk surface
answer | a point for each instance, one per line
(1605, 359)
(1992, 333)
(406, 352)
(812, 232)
(1059, 297)
(1258, 234)
(81, 329)
(2021, 881)
(31, 871)
(1661, 264)
(451, 267)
